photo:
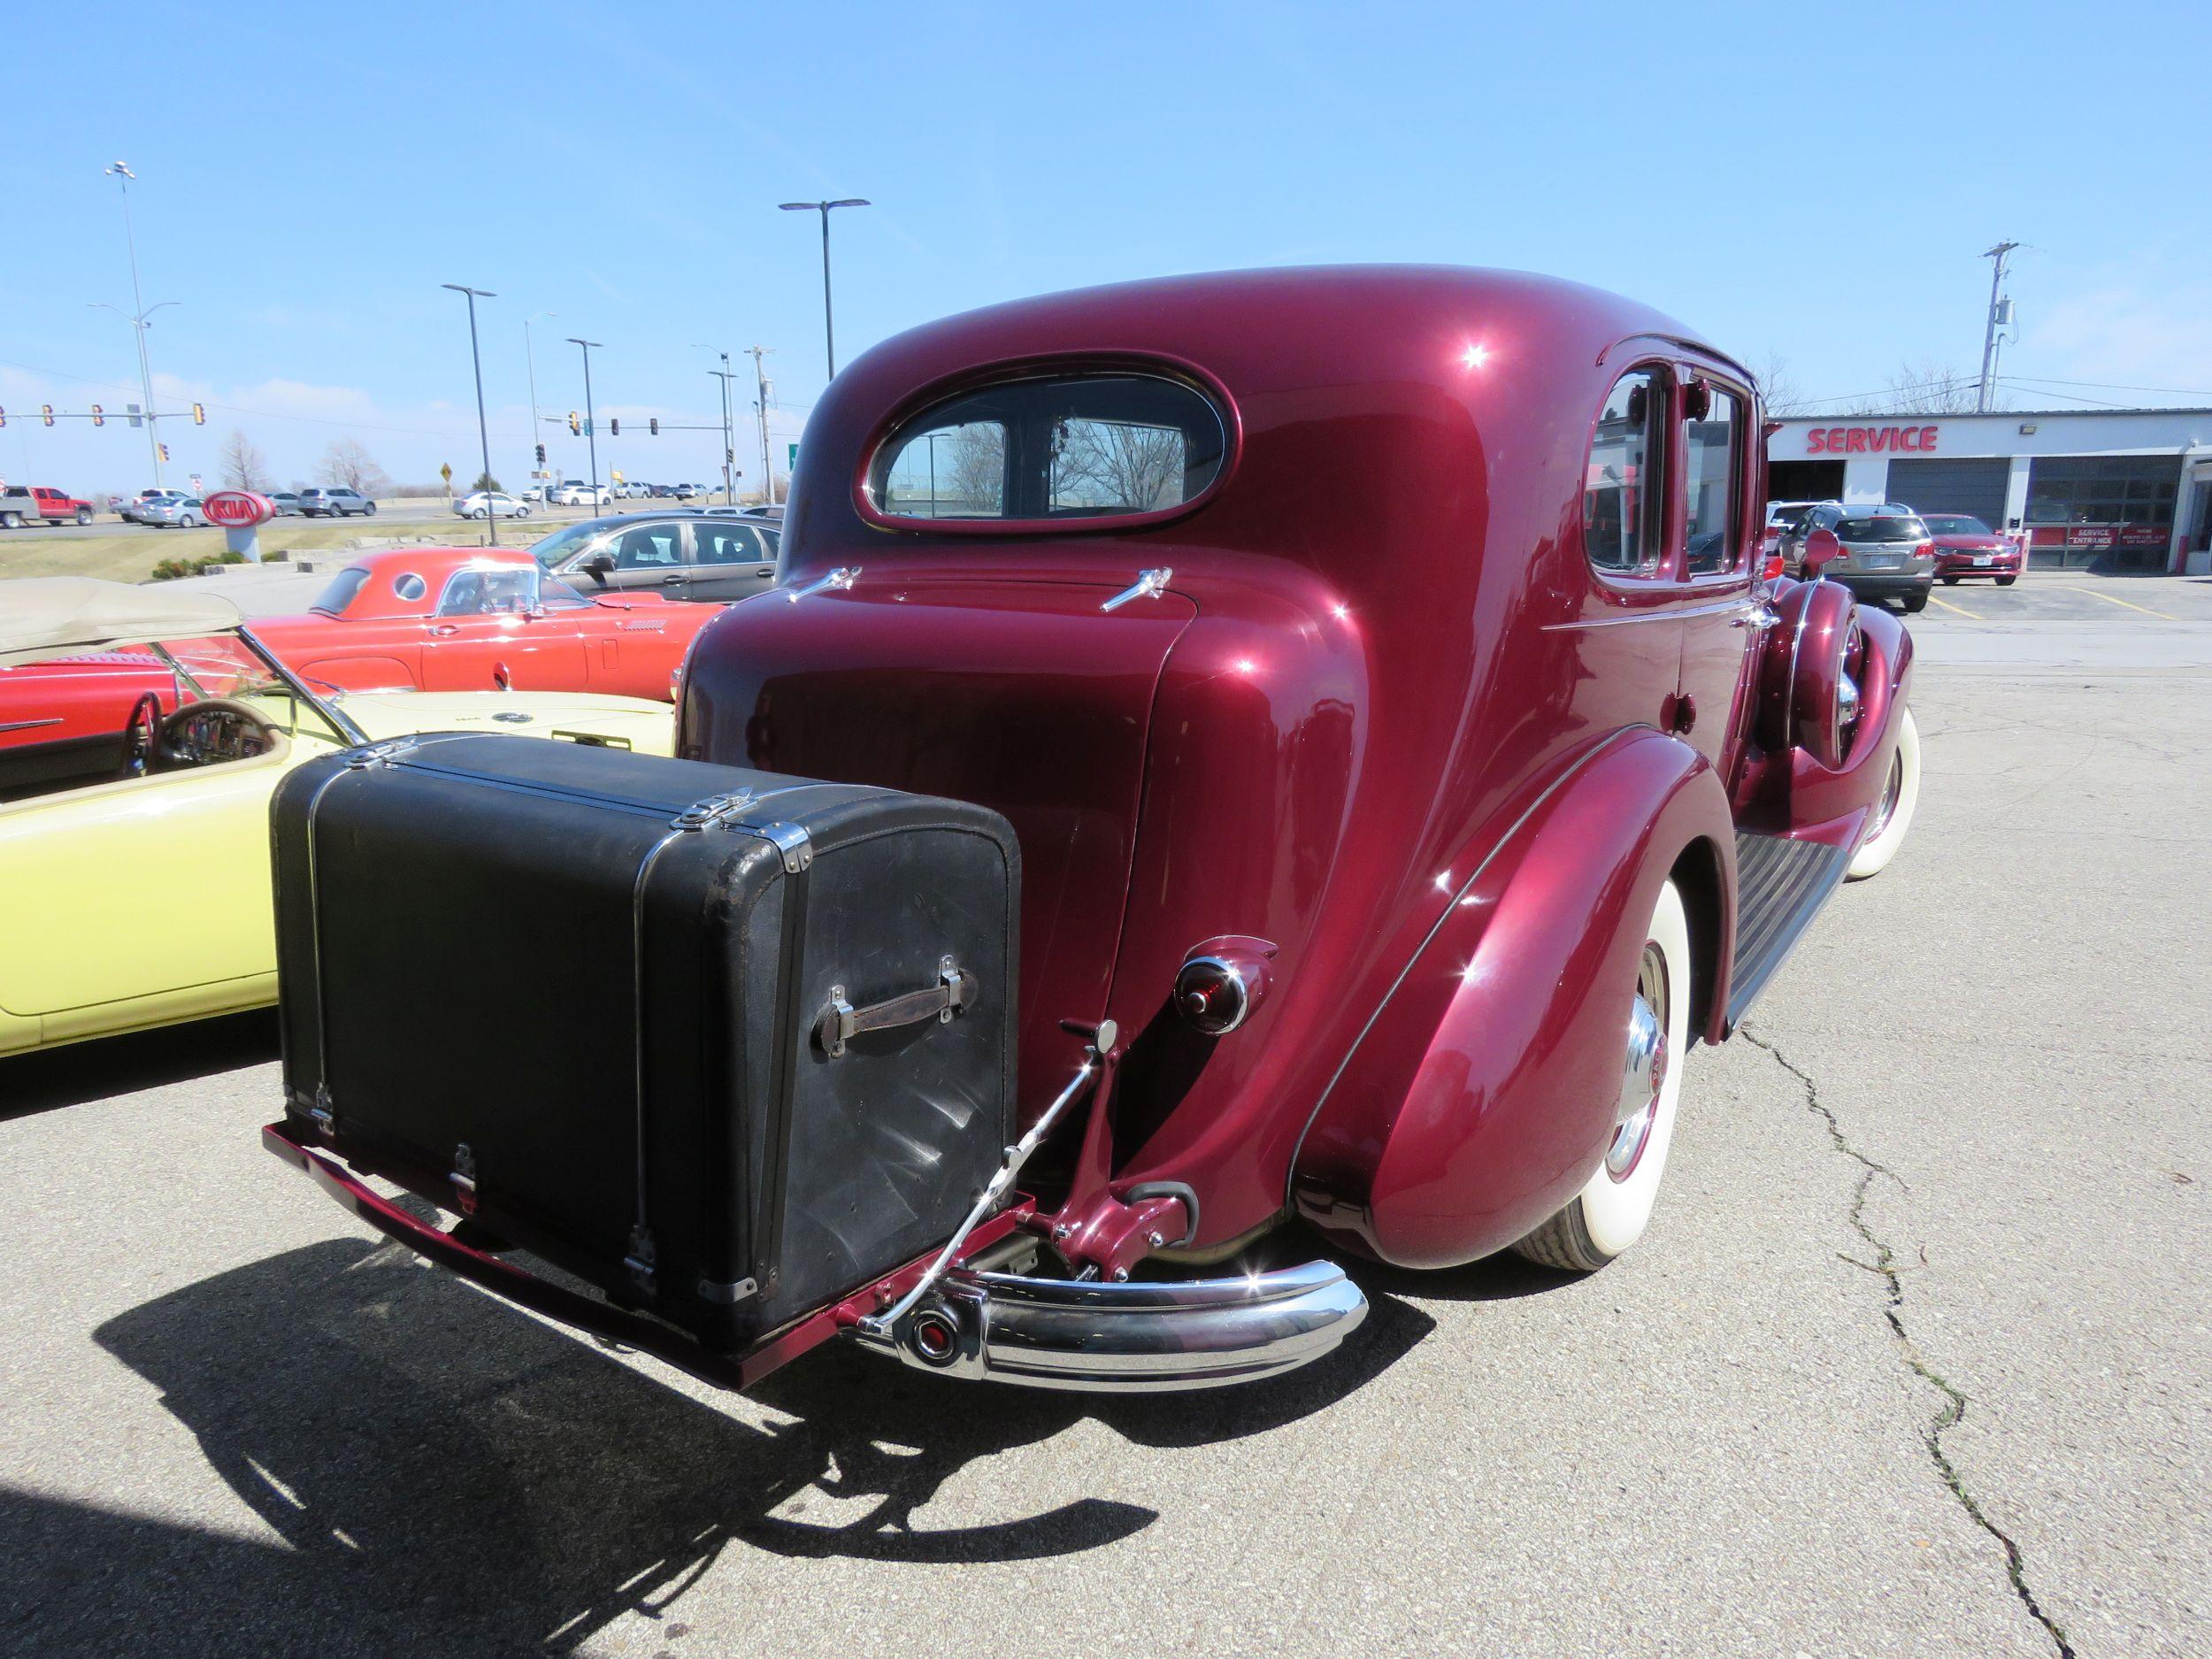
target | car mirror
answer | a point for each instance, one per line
(1822, 547)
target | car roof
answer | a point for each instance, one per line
(41, 616)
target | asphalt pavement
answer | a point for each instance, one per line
(1913, 1361)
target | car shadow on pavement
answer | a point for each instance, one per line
(82, 1072)
(446, 1473)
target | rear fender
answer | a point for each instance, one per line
(1483, 1092)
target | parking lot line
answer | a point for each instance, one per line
(1973, 615)
(2098, 592)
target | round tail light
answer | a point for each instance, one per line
(1220, 981)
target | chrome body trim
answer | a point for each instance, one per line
(1094, 1335)
(836, 581)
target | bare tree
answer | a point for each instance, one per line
(1112, 464)
(244, 466)
(1926, 387)
(1778, 389)
(975, 469)
(347, 462)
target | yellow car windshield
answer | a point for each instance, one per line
(225, 665)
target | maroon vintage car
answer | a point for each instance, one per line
(1966, 549)
(1382, 855)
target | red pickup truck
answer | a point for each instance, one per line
(18, 502)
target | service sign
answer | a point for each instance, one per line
(238, 509)
(1870, 440)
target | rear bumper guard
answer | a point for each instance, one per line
(1097, 1335)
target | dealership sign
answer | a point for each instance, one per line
(238, 509)
(1870, 440)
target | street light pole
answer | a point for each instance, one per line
(591, 427)
(123, 175)
(1999, 255)
(729, 464)
(829, 326)
(483, 432)
(530, 359)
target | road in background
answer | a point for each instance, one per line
(1913, 1362)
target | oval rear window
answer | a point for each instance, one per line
(1079, 448)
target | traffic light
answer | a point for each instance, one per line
(540, 455)
(575, 426)
(728, 455)
(165, 450)
(3, 416)
(46, 413)
(614, 426)
(98, 420)
(199, 414)
(654, 424)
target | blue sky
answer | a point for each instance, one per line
(1809, 181)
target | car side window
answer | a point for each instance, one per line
(727, 544)
(1711, 444)
(650, 546)
(1624, 479)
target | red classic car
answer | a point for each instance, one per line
(1965, 547)
(1380, 863)
(477, 618)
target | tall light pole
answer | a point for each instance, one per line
(829, 326)
(729, 444)
(767, 466)
(123, 175)
(530, 359)
(483, 432)
(591, 427)
(1998, 255)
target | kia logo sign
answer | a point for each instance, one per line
(1870, 440)
(238, 509)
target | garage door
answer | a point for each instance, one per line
(1946, 486)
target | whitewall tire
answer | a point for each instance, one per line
(1892, 813)
(1612, 1210)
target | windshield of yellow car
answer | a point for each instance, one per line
(225, 665)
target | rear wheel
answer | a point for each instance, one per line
(10, 521)
(1892, 813)
(369, 512)
(1915, 604)
(1950, 580)
(1612, 1210)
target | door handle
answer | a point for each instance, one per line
(443, 628)
(1760, 616)
(669, 581)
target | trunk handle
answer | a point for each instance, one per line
(839, 1020)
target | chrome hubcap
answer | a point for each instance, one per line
(1644, 1067)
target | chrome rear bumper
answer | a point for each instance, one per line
(1079, 1333)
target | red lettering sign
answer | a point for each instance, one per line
(1869, 440)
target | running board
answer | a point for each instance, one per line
(1780, 886)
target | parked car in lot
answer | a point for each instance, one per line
(673, 553)
(169, 512)
(480, 619)
(1966, 547)
(142, 733)
(26, 503)
(489, 503)
(1287, 877)
(575, 494)
(1879, 551)
(336, 501)
(286, 501)
(1783, 517)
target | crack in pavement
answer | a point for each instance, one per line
(1953, 1408)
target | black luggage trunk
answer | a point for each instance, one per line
(594, 999)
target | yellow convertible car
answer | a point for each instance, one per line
(141, 733)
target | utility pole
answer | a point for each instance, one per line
(591, 427)
(483, 432)
(1998, 254)
(729, 442)
(123, 175)
(767, 465)
(530, 358)
(829, 326)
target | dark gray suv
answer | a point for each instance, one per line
(684, 554)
